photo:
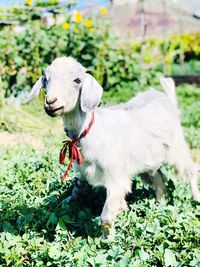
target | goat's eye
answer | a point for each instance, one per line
(77, 80)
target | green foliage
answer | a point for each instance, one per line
(25, 54)
(191, 67)
(46, 3)
(31, 50)
(171, 54)
(41, 227)
(189, 101)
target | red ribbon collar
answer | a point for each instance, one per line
(74, 152)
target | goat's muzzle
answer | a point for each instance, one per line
(52, 109)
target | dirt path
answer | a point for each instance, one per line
(7, 138)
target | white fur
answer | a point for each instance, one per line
(125, 140)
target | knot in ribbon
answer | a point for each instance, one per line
(74, 152)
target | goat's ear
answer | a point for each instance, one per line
(35, 90)
(91, 93)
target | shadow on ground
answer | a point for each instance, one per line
(80, 217)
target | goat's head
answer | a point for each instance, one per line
(67, 84)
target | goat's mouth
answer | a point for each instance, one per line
(54, 112)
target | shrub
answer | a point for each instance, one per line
(24, 55)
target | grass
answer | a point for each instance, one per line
(41, 226)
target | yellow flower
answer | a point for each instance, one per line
(28, 2)
(76, 30)
(103, 11)
(65, 26)
(78, 18)
(91, 30)
(88, 23)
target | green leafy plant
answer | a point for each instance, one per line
(25, 54)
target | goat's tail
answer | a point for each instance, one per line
(169, 88)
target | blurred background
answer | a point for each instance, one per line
(113, 38)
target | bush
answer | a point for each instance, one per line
(31, 50)
(41, 227)
(24, 55)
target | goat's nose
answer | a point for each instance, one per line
(51, 101)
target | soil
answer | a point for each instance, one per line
(7, 138)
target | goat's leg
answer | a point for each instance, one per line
(79, 182)
(114, 203)
(159, 184)
(76, 189)
(191, 174)
(194, 188)
(157, 181)
(80, 187)
(187, 169)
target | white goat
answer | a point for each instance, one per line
(125, 140)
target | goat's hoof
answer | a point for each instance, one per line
(106, 226)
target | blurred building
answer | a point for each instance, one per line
(160, 17)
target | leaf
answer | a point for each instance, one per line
(54, 252)
(170, 258)
(52, 219)
(67, 219)
(62, 224)
(143, 255)
(100, 258)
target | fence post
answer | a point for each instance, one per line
(143, 28)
